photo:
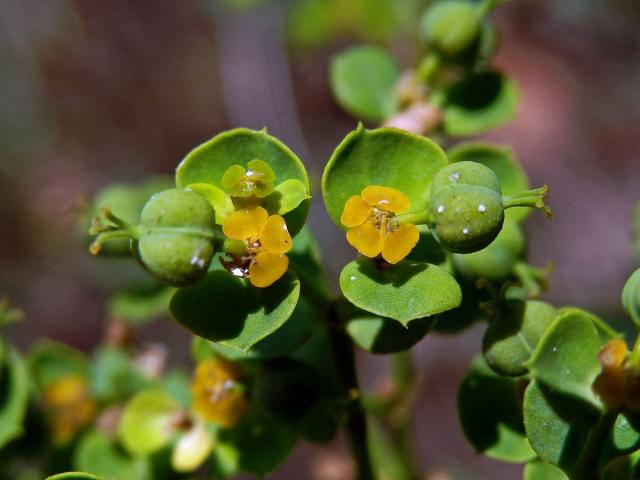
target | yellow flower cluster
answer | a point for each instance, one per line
(218, 397)
(266, 240)
(68, 406)
(371, 218)
(618, 385)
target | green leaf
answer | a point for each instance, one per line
(555, 440)
(385, 156)
(74, 476)
(623, 440)
(218, 198)
(145, 426)
(226, 309)
(362, 80)
(491, 416)
(404, 292)
(292, 334)
(286, 197)
(479, 103)
(97, 453)
(566, 361)
(383, 335)
(208, 162)
(257, 444)
(503, 162)
(306, 262)
(113, 377)
(631, 297)
(140, 306)
(513, 334)
(14, 396)
(537, 470)
(50, 361)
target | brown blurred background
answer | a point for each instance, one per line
(95, 91)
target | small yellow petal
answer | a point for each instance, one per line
(274, 236)
(192, 449)
(266, 268)
(397, 244)
(366, 239)
(245, 223)
(613, 354)
(355, 213)
(386, 198)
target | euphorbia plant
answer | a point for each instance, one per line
(437, 230)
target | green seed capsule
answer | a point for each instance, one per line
(466, 173)
(495, 262)
(287, 389)
(175, 238)
(450, 27)
(465, 218)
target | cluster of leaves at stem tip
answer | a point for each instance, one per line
(439, 243)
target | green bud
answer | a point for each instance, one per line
(466, 173)
(176, 237)
(451, 27)
(287, 389)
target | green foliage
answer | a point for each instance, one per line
(74, 476)
(14, 381)
(451, 27)
(362, 80)
(384, 156)
(491, 415)
(631, 297)
(227, 309)
(50, 361)
(384, 335)
(405, 292)
(537, 470)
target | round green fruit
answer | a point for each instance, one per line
(466, 173)
(175, 239)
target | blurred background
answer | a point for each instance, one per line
(93, 92)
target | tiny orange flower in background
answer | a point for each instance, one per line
(266, 239)
(371, 218)
(218, 397)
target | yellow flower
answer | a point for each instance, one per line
(68, 405)
(217, 395)
(266, 239)
(373, 225)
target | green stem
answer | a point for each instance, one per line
(403, 374)
(529, 198)
(419, 217)
(356, 425)
(428, 67)
(635, 354)
(317, 292)
(587, 467)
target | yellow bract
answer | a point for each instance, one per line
(68, 405)
(217, 395)
(373, 226)
(266, 238)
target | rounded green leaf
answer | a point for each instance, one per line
(490, 415)
(145, 426)
(537, 470)
(623, 440)
(50, 361)
(631, 297)
(479, 103)
(566, 359)
(293, 333)
(404, 292)
(74, 476)
(208, 162)
(383, 335)
(503, 162)
(258, 444)
(385, 156)
(554, 439)
(362, 80)
(513, 334)
(226, 309)
(218, 198)
(14, 396)
(96, 452)
(113, 376)
(287, 196)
